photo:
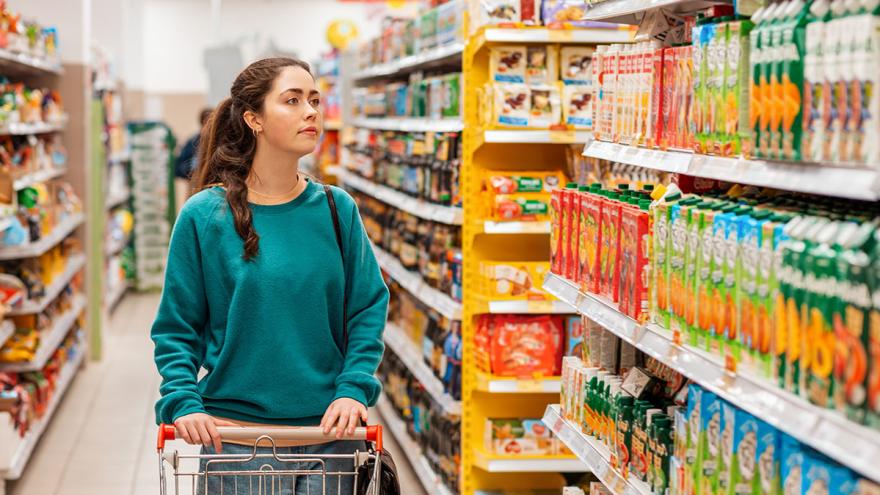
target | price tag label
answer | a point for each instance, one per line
(530, 386)
(676, 337)
(563, 137)
(730, 363)
(560, 35)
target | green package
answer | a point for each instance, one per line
(794, 34)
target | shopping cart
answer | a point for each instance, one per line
(278, 473)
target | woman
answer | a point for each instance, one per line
(255, 284)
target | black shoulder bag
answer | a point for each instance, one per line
(389, 483)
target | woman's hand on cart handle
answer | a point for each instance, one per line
(345, 414)
(200, 428)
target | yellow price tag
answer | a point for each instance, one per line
(563, 136)
(540, 306)
(560, 35)
(530, 385)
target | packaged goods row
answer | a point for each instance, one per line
(438, 338)
(438, 435)
(426, 165)
(781, 284)
(790, 84)
(33, 332)
(676, 437)
(433, 97)
(519, 196)
(431, 249)
(41, 208)
(525, 345)
(556, 14)
(21, 104)
(21, 156)
(26, 36)
(31, 278)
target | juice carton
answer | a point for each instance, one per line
(767, 481)
(565, 227)
(850, 81)
(693, 457)
(684, 63)
(868, 151)
(749, 299)
(633, 262)
(791, 278)
(556, 231)
(733, 265)
(851, 328)
(872, 413)
(710, 443)
(596, 69)
(610, 255)
(573, 232)
(835, 54)
(817, 476)
(757, 110)
(669, 98)
(744, 461)
(703, 280)
(814, 83)
(792, 466)
(818, 342)
(678, 252)
(793, 52)
(769, 305)
(657, 98)
(692, 261)
(777, 96)
(660, 267)
(736, 93)
(726, 459)
(700, 60)
(716, 38)
(590, 240)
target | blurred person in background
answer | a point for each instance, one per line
(188, 158)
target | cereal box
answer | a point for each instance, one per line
(792, 466)
(693, 457)
(541, 65)
(512, 105)
(767, 481)
(545, 109)
(817, 475)
(725, 459)
(710, 442)
(744, 461)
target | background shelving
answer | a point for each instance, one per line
(47, 242)
(49, 343)
(75, 264)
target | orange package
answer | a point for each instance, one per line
(634, 239)
(609, 259)
(573, 227)
(556, 231)
(590, 240)
(520, 346)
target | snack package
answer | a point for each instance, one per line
(576, 65)
(541, 65)
(577, 106)
(520, 207)
(514, 281)
(768, 458)
(512, 105)
(523, 182)
(728, 432)
(428, 29)
(574, 334)
(568, 13)
(546, 107)
(507, 64)
(744, 460)
(693, 457)
(817, 475)
(451, 104)
(519, 437)
(495, 12)
(792, 465)
(520, 346)
(710, 442)
(450, 22)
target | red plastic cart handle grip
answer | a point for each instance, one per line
(369, 433)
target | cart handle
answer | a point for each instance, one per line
(368, 433)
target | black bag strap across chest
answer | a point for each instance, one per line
(331, 201)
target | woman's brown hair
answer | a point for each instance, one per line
(227, 145)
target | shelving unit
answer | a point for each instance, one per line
(7, 328)
(410, 449)
(503, 385)
(593, 453)
(115, 247)
(34, 249)
(633, 11)
(415, 285)
(26, 129)
(447, 54)
(38, 177)
(505, 136)
(520, 464)
(75, 264)
(49, 340)
(851, 444)
(444, 214)
(118, 200)
(491, 227)
(410, 353)
(114, 297)
(20, 64)
(827, 180)
(412, 124)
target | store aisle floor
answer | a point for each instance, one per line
(102, 441)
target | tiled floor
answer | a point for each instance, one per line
(102, 440)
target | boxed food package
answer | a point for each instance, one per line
(450, 22)
(514, 281)
(634, 264)
(568, 13)
(522, 182)
(512, 105)
(519, 346)
(526, 207)
(589, 241)
(504, 12)
(507, 64)
(428, 29)
(541, 66)
(577, 106)
(546, 107)
(519, 437)
(576, 64)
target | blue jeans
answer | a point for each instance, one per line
(287, 484)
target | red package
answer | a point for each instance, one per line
(657, 95)
(572, 226)
(526, 346)
(634, 262)
(589, 241)
(609, 279)
(556, 231)
(668, 103)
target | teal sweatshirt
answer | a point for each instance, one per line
(268, 331)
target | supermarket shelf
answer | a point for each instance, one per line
(633, 11)
(120, 158)
(536, 136)
(410, 353)
(849, 443)
(34, 249)
(24, 129)
(74, 265)
(511, 464)
(7, 328)
(116, 200)
(115, 247)
(26, 447)
(525, 307)
(12, 63)
(546, 35)
(490, 227)
(114, 297)
(414, 124)
(592, 452)
(826, 180)
(444, 214)
(413, 452)
(38, 177)
(49, 341)
(436, 56)
(504, 385)
(415, 285)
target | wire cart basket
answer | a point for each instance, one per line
(278, 474)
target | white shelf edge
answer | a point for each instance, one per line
(531, 307)
(74, 265)
(26, 129)
(26, 448)
(413, 452)
(415, 285)
(410, 355)
(7, 328)
(535, 136)
(494, 464)
(413, 124)
(449, 215)
(49, 343)
(117, 200)
(36, 64)
(630, 11)
(860, 183)
(594, 454)
(546, 35)
(507, 386)
(411, 62)
(32, 250)
(851, 444)
(492, 227)
(114, 297)
(38, 177)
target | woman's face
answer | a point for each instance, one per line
(292, 118)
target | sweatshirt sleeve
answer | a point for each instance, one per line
(178, 330)
(367, 312)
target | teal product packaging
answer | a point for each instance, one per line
(792, 466)
(768, 458)
(710, 442)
